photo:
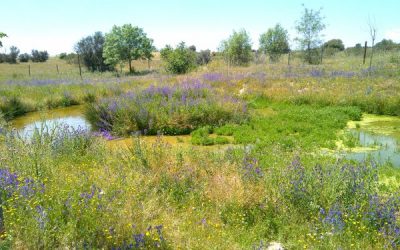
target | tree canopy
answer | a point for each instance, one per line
(179, 60)
(39, 56)
(126, 43)
(274, 42)
(309, 28)
(335, 44)
(1, 36)
(237, 49)
(91, 50)
(386, 45)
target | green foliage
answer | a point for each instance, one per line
(309, 28)
(335, 44)
(126, 43)
(274, 42)
(90, 49)
(112, 194)
(169, 110)
(237, 49)
(356, 50)
(13, 55)
(25, 57)
(70, 58)
(1, 36)
(179, 60)
(39, 56)
(13, 107)
(203, 57)
(387, 45)
(294, 126)
(201, 136)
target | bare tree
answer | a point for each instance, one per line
(372, 33)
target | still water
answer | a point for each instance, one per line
(378, 137)
(51, 119)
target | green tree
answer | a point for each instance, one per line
(39, 56)
(13, 55)
(179, 60)
(148, 49)
(274, 42)
(309, 28)
(203, 57)
(332, 46)
(386, 45)
(1, 36)
(237, 49)
(91, 49)
(125, 43)
(335, 44)
(24, 57)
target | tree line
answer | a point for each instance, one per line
(14, 54)
(125, 44)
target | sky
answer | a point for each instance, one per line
(56, 25)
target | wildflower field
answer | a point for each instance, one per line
(267, 181)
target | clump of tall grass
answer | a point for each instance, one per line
(13, 107)
(169, 110)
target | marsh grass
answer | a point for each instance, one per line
(68, 189)
(154, 195)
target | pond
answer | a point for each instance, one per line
(50, 119)
(73, 117)
(374, 137)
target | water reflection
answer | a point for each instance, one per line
(387, 148)
(70, 118)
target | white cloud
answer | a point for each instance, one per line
(393, 34)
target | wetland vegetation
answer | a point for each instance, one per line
(230, 155)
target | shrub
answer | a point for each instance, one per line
(13, 107)
(13, 55)
(274, 42)
(25, 57)
(179, 60)
(203, 57)
(39, 56)
(237, 49)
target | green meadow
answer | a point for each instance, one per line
(244, 167)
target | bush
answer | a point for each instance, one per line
(13, 55)
(70, 58)
(24, 57)
(237, 49)
(62, 55)
(201, 137)
(13, 107)
(39, 56)
(179, 60)
(334, 44)
(3, 57)
(203, 57)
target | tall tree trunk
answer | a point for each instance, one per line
(130, 65)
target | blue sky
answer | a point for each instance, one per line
(56, 25)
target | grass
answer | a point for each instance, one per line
(68, 189)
